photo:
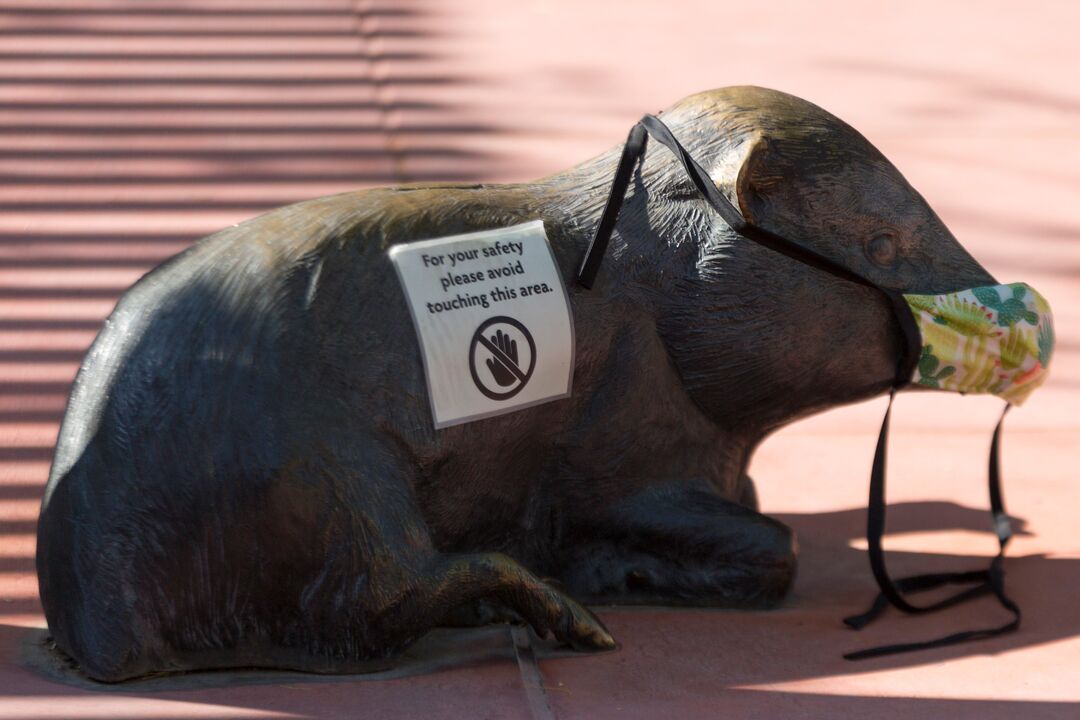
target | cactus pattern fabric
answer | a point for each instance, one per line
(996, 339)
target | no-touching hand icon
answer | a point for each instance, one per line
(502, 356)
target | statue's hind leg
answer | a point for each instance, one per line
(453, 581)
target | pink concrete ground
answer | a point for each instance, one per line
(129, 128)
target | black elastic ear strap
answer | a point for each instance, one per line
(991, 580)
(912, 339)
(633, 150)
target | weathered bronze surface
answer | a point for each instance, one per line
(247, 474)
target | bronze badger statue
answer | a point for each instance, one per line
(248, 475)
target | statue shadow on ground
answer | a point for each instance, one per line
(834, 580)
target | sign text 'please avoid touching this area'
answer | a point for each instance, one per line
(493, 320)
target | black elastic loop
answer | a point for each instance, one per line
(909, 328)
(1002, 526)
(991, 580)
(633, 150)
(922, 583)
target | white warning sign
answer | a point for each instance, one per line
(493, 320)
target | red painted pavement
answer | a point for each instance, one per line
(128, 129)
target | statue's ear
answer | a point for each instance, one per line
(761, 181)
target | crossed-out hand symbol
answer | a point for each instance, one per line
(498, 365)
(508, 366)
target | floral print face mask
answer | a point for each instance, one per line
(994, 339)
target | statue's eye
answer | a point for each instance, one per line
(882, 249)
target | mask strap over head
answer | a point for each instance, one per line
(633, 150)
(991, 580)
